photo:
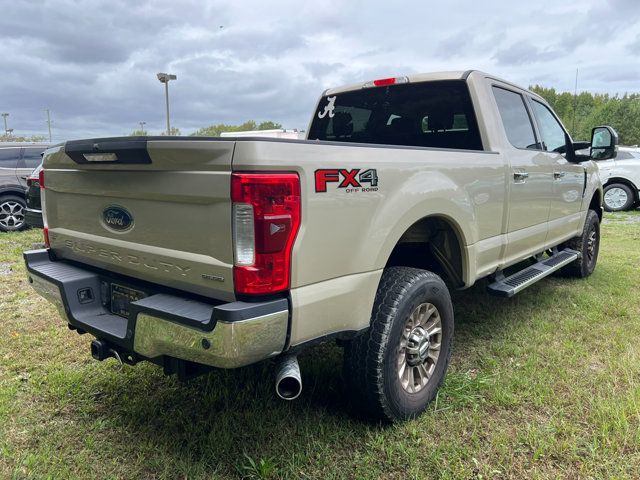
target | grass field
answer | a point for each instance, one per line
(543, 385)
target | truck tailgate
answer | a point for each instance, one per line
(160, 212)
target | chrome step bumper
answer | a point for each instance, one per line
(224, 335)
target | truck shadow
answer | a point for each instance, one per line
(220, 417)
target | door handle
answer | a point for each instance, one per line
(558, 175)
(520, 176)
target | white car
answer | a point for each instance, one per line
(621, 179)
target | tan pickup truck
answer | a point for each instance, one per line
(207, 252)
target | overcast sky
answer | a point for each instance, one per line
(93, 63)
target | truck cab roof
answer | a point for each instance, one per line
(425, 77)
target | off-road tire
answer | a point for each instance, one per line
(627, 205)
(11, 202)
(371, 360)
(588, 244)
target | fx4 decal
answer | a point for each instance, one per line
(350, 180)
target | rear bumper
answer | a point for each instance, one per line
(224, 335)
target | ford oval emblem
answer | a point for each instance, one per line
(117, 218)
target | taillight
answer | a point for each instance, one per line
(45, 228)
(266, 218)
(45, 234)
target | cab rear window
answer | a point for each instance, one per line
(426, 114)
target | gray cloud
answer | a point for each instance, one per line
(93, 63)
(634, 47)
(524, 52)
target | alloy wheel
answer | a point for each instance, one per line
(419, 347)
(11, 214)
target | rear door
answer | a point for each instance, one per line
(529, 179)
(8, 163)
(568, 178)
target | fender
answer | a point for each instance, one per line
(593, 186)
(446, 201)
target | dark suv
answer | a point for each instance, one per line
(17, 161)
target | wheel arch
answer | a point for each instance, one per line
(13, 190)
(596, 203)
(436, 243)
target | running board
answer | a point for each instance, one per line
(509, 286)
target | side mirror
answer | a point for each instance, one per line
(604, 143)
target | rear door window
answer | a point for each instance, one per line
(426, 114)
(515, 118)
(9, 157)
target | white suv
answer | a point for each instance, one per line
(621, 179)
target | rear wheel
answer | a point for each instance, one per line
(617, 197)
(396, 367)
(588, 244)
(12, 213)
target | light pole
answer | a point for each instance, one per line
(142, 124)
(165, 78)
(49, 124)
(6, 130)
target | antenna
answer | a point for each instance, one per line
(575, 105)
(49, 124)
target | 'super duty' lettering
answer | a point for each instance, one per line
(138, 260)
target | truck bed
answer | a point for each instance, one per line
(177, 191)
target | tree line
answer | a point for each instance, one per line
(580, 113)
(216, 130)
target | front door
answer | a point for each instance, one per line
(529, 182)
(568, 178)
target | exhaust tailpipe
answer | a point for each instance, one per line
(288, 379)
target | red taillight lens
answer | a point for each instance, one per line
(45, 228)
(45, 234)
(266, 221)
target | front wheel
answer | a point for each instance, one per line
(617, 197)
(588, 245)
(397, 366)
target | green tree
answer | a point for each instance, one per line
(175, 132)
(269, 125)
(587, 110)
(139, 133)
